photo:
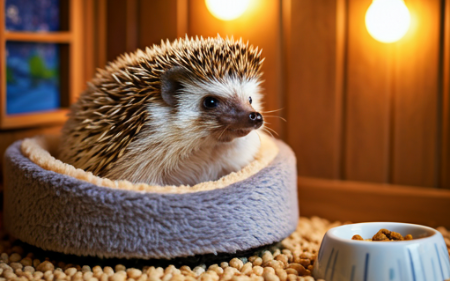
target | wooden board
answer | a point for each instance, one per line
(182, 18)
(101, 30)
(132, 25)
(28, 120)
(260, 25)
(157, 21)
(2, 62)
(94, 35)
(444, 179)
(367, 101)
(76, 70)
(363, 202)
(314, 88)
(416, 109)
(89, 39)
(116, 28)
(54, 37)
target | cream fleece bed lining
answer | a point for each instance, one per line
(40, 150)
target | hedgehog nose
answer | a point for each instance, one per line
(256, 118)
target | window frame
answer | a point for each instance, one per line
(73, 62)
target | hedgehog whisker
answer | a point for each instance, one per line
(259, 137)
(223, 131)
(270, 111)
(275, 116)
(271, 130)
(263, 129)
(267, 131)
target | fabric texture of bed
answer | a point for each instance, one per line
(60, 213)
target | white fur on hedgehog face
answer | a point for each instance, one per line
(184, 122)
(230, 87)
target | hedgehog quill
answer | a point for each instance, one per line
(176, 114)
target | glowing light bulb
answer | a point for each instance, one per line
(227, 9)
(388, 20)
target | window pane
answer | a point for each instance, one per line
(32, 15)
(32, 77)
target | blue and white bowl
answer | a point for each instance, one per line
(341, 258)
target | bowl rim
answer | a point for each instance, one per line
(331, 233)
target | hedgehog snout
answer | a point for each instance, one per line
(235, 117)
(238, 123)
(241, 119)
(249, 119)
(256, 119)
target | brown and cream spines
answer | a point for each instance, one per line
(113, 110)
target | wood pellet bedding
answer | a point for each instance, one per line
(290, 260)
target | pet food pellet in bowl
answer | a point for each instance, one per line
(384, 235)
(357, 237)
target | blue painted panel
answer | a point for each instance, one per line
(32, 77)
(32, 15)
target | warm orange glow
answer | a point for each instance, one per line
(388, 20)
(227, 9)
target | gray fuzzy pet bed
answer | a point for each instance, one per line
(56, 207)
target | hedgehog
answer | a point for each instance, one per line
(178, 113)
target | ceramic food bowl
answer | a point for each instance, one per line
(341, 258)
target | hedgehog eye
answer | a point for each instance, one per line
(250, 100)
(210, 102)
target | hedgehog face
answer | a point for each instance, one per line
(225, 108)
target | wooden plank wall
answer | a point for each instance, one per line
(313, 82)
(444, 175)
(416, 90)
(367, 101)
(392, 109)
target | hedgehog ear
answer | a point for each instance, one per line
(171, 83)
